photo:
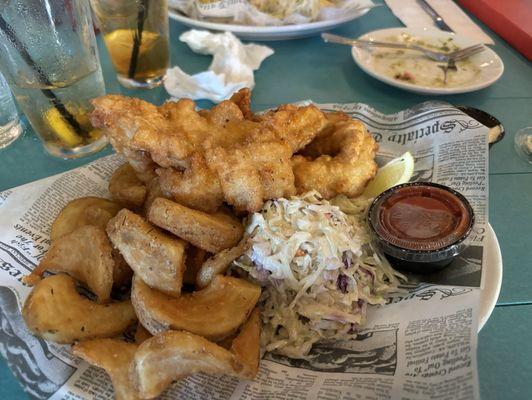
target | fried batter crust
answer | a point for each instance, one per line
(203, 158)
(340, 161)
(228, 154)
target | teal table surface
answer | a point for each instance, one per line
(310, 69)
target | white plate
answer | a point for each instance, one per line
(491, 277)
(283, 32)
(491, 66)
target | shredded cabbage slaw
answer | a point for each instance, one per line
(317, 268)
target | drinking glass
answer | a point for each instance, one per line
(523, 144)
(10, 127)
(136, 36)
(49, 57)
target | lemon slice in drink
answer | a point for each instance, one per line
(61, 128)
(397, 171)
(120, 42)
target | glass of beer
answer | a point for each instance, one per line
(49, 57)
(135, 33)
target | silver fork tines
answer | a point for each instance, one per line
(434, 55)
(466, 52)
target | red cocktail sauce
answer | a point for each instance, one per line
(422, 218)
(421, 224)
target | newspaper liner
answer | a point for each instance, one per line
(242, 12)
(421, 345)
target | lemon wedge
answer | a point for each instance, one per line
(120, 42)
(397, 171)
(61, 128)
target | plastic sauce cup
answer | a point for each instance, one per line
(421, 227)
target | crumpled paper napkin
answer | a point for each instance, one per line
(413, 16)
(231, 68)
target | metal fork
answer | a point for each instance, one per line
(434, 55)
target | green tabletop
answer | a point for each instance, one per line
(311, 69)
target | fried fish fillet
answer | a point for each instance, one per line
(170, 133)
(121, 118)
(203, 158)
(253, 172)
(272, 160)
(242, 99)
(297, 126)
(344, 161)
(126, 188)
(239, 179)
(196, 187)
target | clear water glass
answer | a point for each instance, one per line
(523, 144)
(49, 57)
(10, 127)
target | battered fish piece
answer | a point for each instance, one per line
(242, 99)
(142, 163)
(273, 164)
(344, 164)
(204, 128)
(252, 173)
(168, 134)
(126, 188)
(294, 125)
(239, 178)
(196, 187)
(203, 158)
(244, 176)
(120, 118)
(210, 232)
(172, 132)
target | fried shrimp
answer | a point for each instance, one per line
(340, 161)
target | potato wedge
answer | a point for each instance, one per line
(114, 356)
(215, 312)
(194, 260)
(154, 191)
(174, 355)
(86, 255)
(156, 257)
(210, 232)
(55, 311)
(126, 188)
(141, 334)
(218, 264)
(246, 346)
(83, 211)
(122, 272)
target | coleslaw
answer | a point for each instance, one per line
(318, 271)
